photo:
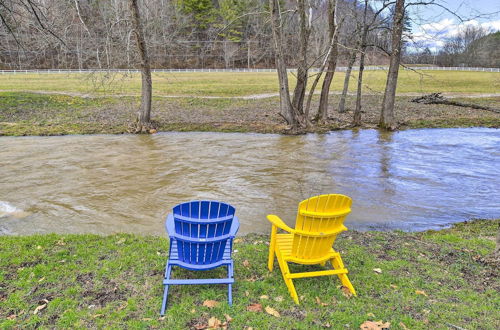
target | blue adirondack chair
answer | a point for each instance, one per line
(201, 238)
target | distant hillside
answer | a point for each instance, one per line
(485, 51)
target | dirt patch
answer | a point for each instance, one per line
(101, 292)
(200, 322)
(294, 313)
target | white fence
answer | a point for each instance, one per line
(341, 69)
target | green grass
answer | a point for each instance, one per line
(115, 282)
(240, 84)
(37, 114)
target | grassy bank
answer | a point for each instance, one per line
(55, 114)
(244, 83)
(436, 279)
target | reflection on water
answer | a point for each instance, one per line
(411, 180)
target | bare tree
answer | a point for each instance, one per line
(370, 22)
(362, 51)
(332, 62)
(350, 64)
(292, 111)
(352, 54)
(144, 115)
(284, 91)
(305, 22)
(387, 118)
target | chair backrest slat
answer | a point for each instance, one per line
(197, 220)
(318, 215)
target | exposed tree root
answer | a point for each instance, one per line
(137, 127)
(437, 98)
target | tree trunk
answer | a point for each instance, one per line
(357, 110)
(302, 69)
(322, 115)
(343, 97)
(144, 115)
(286, 109)
(387, 119)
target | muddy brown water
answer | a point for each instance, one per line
(409, 180)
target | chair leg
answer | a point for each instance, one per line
(272, 248)
(165, 290)
(230, 286)
(288, 281)
(338, 264)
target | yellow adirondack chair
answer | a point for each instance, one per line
(319, 220)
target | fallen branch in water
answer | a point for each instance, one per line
(437, 98)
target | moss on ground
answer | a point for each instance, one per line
(429, 280)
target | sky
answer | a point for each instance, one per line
(432, 25)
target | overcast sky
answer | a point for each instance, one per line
(432, 25)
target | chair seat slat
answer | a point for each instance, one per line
(203, 221)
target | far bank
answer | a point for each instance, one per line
(57, 114)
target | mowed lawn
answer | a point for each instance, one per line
(244, 83)
(430, 280)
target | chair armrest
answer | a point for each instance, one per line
(235, 225)
(170, 225)
(276, 221)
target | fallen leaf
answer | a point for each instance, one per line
(193, 311)
(264, 297)
(394, 286)
(246, 263)
(161, 318)
(402, 325)
(214, 323)
(377, 270)
(41, 307)
(11, 317)
(421, 292)
(346, 292)
(319, 302)
(370, 315)
(120, 241)
(61, 242)
(200, 326)
(254, 308)
(228, 318)
(278, 299)
(97, 315)
(247, 293)
(152, 131)
(272, 311)
(238, 240)
(210, 303)
(147, 319)
(372, 325)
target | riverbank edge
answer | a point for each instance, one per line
(32, 114)
(432, 279)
